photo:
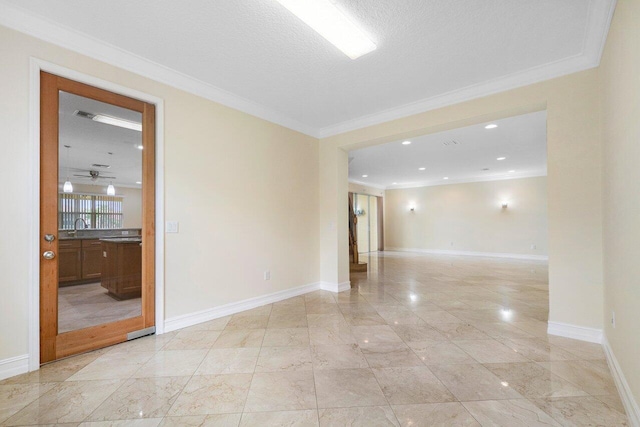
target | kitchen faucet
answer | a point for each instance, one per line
(75, 225)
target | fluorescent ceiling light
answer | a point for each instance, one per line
(501, 158)
(491, 126)
(328, 21)
(139, 147)
(446, 177)
(406, 142)
(114, 121)
(421, 169)
(511, 171)
(364, 176)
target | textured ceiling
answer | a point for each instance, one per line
(92, 142)
(260, 52)
(521, 139)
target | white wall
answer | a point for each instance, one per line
(234, 182)
(620, 69)
(469, 217)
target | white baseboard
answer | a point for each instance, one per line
(335, 287)
(581, 333)
(628, 401)
(471, 253)
(185, 320)
(14, 366)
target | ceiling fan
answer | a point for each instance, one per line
(93, 175)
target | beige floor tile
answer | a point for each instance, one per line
(412, 385)
(434, 415)
(490, 351)
(412, 333)
(473, 382)
(532, 380)
(145, 422)
(287, 337)
(325, 320)
(248, 322)
(612, 401)
(113, 366)
(213, 420)
(55, 372)
(331, 335)
(239, 360)
(387, 355)
(520, 412)
(306, 418)
(71, 401)
(172, 363)
(538, 350)
(338, 357)
(587, 376)
(240, 338)
(212, 394)
(375, 334)
(192, 340)
(581, 411)
(140, 398)
(14, 397)
(212, 325)
(371, 416)
(583, 350)
(278, 359)
(437, 352)
(281, 391)
(322, 309)
(289, 320)
(347, 387)
(459, 331)
(440, 316)
(366, 318)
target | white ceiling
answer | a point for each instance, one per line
(521, 139)
(93, 142)
(256, 56)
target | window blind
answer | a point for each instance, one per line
(97, 210)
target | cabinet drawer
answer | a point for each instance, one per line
(68, 244)
(91, 243)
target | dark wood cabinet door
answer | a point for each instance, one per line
(69, 261)
(91, 259)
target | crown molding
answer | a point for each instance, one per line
(598, 22)
(366, 184)
(21, 20)
(461, 181)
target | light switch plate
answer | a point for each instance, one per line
(171, 227)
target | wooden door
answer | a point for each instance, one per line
(55, 345)
(91, 259)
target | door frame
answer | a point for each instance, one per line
(35, 67)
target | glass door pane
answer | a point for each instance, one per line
(99, 213)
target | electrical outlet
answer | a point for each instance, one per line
(267, 275)
(613, 319)
(533, 246)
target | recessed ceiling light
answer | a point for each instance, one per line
(364, 176)
(446, 177)
(511, 171)
(491, 126)
(329, 21)
(406, 142)
(421, 169)
(501, 158)
(395, 183)
(138, 182)
(139, 147)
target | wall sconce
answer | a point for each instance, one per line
(505, 204)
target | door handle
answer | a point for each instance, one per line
(49, 255)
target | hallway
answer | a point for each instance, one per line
(424, 340)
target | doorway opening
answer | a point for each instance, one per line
(97, 217)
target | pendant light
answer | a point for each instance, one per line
(67, 187)
(111, 190)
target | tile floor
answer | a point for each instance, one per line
(422, 341)
(82, 306)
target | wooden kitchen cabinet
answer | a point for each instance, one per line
(122, 268)
(69, 261)
(91, 259)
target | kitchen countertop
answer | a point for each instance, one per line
(122, 240)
